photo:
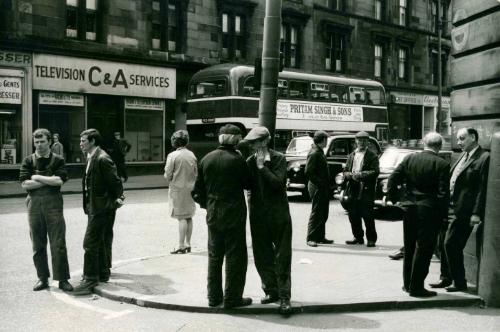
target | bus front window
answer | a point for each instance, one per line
(375, 96)
(207, 89)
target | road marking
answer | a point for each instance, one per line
(70, 299)
(108, 314)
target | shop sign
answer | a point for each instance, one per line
(407, 98)
(10, 90)
(60, 73)
(15, 59)
(318, 111)
(63, 99)
(433, 101)
(144, 104)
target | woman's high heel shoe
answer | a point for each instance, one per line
(188, 249)
(179, 251)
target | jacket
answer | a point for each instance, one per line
(469, 194)
(101, 185)
(364, 186)
(317, 167)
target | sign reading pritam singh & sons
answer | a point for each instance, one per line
(318, 111)
(61, 73)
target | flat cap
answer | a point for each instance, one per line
(362, 134)
(320, 134)
(229, 129)
(257, 133)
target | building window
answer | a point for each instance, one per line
(91, 19)
(434, 67)
(378, 62)
(434, 20)
(71, 18)
(402, 12)
(403, 64)
(336, 53)
(289, 45)
(233, 36)
(81, 20)
(379, 10)
(165, 25)
(332, 4)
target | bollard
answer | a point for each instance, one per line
(489, 269)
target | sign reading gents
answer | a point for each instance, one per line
(60, 73)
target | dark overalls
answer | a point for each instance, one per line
(45, 215)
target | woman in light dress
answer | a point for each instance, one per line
(180, 171)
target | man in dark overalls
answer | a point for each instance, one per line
(270, 221)
(42, 174)
(222, 177)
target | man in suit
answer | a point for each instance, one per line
(319, 190)
(222, 177)
(102, 195)
(360, 174)
(469, 177)
(426, 176)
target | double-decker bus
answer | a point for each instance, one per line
(307, 102)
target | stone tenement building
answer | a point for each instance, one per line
(123, 65)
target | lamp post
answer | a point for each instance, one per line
(440, 65)
(270, 66)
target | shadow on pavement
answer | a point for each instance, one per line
(144, 284)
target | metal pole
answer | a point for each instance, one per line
(440, 65)
(270, 66)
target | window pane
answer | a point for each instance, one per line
(319, 91)
(208, 89)
(225, 27)
(378, 9)
(298, 89)
(293, 35)
(156, 6)
(237, 24)
(282, 88)
(172, 39)
(375, 96)
(357, 94)
(172, 15)
(91, 4)
(73, 3)
(378, 68)
(71, 19)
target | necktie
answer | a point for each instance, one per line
(457, 171)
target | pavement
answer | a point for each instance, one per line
(328, 278)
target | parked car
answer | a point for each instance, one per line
(388, 161)
(336, 151)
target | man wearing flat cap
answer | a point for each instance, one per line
(361, 172)
(319, 190)
(222, 177)
(270, 221)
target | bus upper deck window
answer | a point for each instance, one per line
(375, 96)
(338, 93)
(282, 88)
(319, 91)
(298, 89)
(357, 95)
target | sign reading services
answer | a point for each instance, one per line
(60, 73)
(318, 111)
(10, 90)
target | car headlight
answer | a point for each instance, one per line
(296, 166)
(339, 179)
(383, 185)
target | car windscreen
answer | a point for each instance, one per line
(299, 146)
(391, 158)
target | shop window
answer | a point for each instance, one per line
(289, 45)
(403, 12)
(82, 19)
(144, 131)
(166, 23)
(10, 134)
(403, 64)
(63, 114)
(335, 59)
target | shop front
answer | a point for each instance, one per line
(72, 94)
(15, 108)
(412, 115)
